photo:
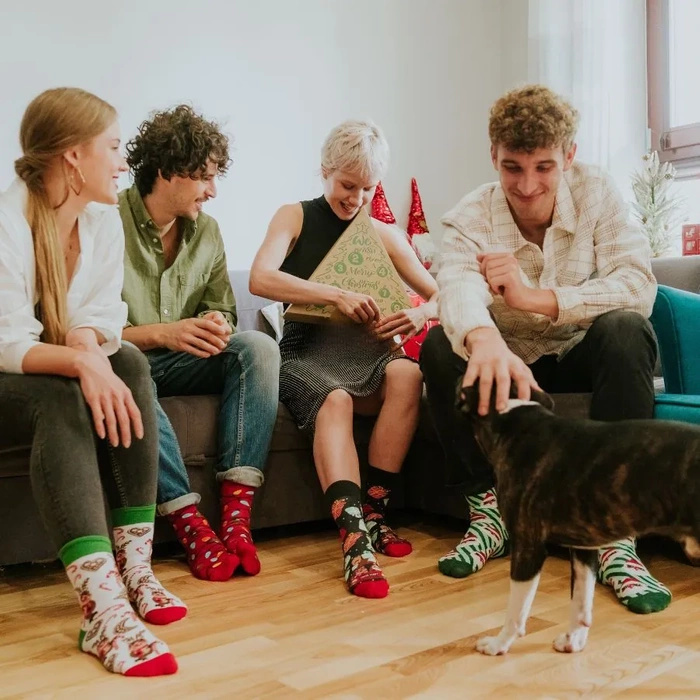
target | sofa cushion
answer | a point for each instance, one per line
(681, 273)
(15, 441)
(679, 407)
(248, 305)
(195, 419)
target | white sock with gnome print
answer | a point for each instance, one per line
(620, 567)
(133, 541)
(110, 629)
(486, 538)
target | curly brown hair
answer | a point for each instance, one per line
(176, 142)
(532, 117)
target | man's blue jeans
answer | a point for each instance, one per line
(246, 374)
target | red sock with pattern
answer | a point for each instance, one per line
(236, 504)
(207, 557)
(380, 484)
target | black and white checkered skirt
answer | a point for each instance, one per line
(318, 359)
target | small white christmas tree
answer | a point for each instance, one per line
(658, 209)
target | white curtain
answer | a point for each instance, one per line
(572, 51)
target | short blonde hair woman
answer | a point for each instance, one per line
(64, 379)
(329, 373)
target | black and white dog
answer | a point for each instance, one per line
(582, 484)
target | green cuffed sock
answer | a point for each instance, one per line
(486, 538)
(133, 515)
(83, 546)
(620, 567)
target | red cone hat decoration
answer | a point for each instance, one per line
(380, 207)
(418, 228)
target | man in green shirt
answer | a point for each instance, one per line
(182, 314)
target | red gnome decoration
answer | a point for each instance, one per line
(382, 212)
(418, 229)
(422, 244)
(416, 225)
(380, 207)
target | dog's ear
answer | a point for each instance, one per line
(467, 399)
(542, 398)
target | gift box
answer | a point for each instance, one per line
(691, 239)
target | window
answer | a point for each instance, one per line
(673, 64)
(690, 191)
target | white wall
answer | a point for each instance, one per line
(281, 73)
(594, 52)
(628, 114)
(514, 43)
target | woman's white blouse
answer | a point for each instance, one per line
(94, 296)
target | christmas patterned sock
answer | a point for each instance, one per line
(380, 484)
(363, 576)
(133, 542)
(110, 629)
(236, 504)
(486, 538)
(207, 556)
(620, 567)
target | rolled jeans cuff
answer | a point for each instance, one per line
(189, 499)
(247, 476)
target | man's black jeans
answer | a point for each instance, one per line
(615, 361)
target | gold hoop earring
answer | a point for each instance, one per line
(71, 181)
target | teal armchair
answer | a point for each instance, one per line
(676, 320)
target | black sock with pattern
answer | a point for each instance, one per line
(380, 484)
(363, 576)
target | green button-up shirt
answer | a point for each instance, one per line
(196, 283)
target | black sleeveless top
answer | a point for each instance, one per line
(320, 230)
(320, 358)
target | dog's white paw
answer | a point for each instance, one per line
(570, 642)
(492, 646)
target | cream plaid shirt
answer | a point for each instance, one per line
(593, 259)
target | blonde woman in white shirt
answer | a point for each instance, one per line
(64, 379)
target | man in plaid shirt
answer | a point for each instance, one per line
(543, 282)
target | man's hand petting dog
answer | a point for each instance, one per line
(491, 362)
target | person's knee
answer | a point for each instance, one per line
(131, 365)
(338, 404)
(64, 403)
(620, 321)
(624, 334)
(255, 349)
(404, 376)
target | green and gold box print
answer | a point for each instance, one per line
(357, 262)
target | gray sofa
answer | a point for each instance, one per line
(291, 493)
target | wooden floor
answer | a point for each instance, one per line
(293, 631)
